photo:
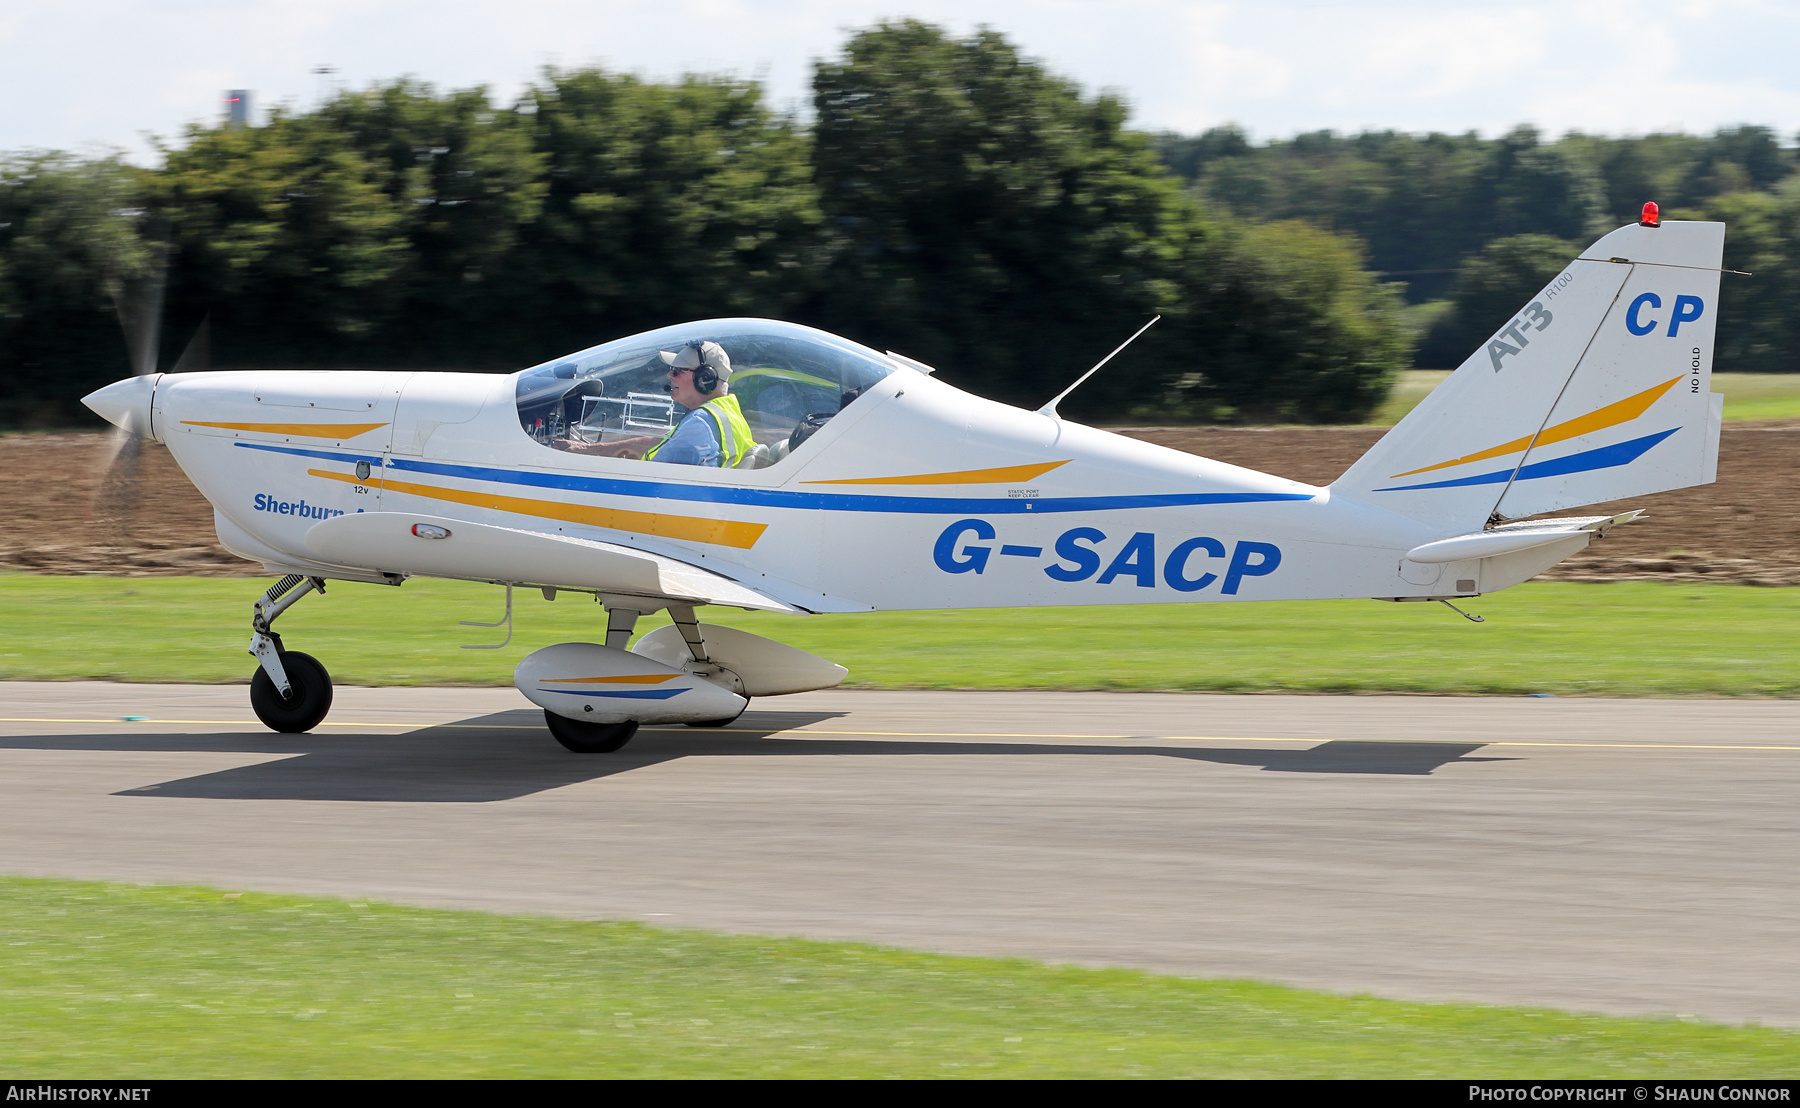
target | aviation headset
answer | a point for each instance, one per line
(706, 378)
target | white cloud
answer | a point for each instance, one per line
(1439, 54)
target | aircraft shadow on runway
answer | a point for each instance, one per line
(508, 755)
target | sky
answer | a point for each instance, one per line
(89, 75)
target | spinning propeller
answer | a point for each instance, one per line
(139, 303)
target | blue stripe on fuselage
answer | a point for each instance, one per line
(783, 498)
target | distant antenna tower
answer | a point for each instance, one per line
(323, 73)
(237, 109)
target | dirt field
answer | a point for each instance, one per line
(1741, 529)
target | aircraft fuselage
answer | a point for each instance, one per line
(917, 496)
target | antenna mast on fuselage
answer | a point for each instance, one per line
(1050, 408)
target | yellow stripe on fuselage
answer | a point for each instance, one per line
(303, 430)
(715, 532)
(622, 679)
(960, 477)
(1623, 411)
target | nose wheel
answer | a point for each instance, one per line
(307, 701)
(290, 691)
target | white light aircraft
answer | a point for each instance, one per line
(874, 486)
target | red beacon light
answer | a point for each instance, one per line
(1652, 216)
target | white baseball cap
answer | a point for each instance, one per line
(696, 354)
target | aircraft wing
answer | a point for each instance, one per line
(398, 542)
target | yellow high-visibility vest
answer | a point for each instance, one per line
(729, 427)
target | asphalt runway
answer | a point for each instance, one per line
(1599, 855)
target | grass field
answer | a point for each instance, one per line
(1622, 639)
(133, 982)
(1747, 395)
(1759, 395)
(1410, 387)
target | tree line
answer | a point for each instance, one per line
(1471, 227)
(950, 199)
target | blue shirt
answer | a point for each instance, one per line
(693, 443)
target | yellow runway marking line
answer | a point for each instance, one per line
(1571, 744)
(1270, 739)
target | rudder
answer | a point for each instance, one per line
(1597, 390)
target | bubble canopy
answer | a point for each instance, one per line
(788, 380)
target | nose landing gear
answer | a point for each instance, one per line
(290, 691)
(307, 701)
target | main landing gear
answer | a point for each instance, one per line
(689, 626)
(596, 737)
(589, 738)
(290, 691)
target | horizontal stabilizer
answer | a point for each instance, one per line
(1514, 537)
(397, 542)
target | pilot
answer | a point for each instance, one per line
(713, 432)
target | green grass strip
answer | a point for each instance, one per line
(1759, 395)
(1747, 395)
(122, 981)
(1621, 639)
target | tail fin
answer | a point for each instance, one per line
(1598, 389)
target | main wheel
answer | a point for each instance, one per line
(589, 738)
(308, 700)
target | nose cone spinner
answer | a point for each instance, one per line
(126, 403)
